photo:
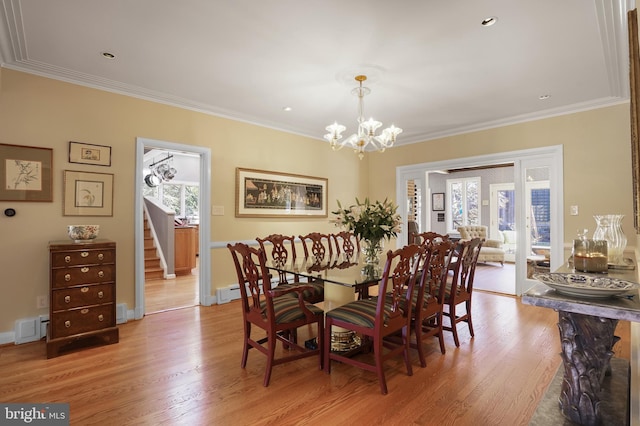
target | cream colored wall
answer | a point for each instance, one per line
(597, 161)
(36, 111)
(41, 112)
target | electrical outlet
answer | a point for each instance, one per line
(574, 210)
(42, 302)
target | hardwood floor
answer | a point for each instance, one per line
(182, 367)
(493, 277)
(162, 295)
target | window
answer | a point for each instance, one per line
(463, 206)
(181, 198)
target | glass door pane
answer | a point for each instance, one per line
(538, 216)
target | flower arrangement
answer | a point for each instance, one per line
(369, 221)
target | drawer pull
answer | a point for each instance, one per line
(100, 295)
(84, 289)
(67, 277)
(67, 259)
(84, 311)
(84, 254)
(101, 274)
(67, 299)
(100, 317)
(100, 256)
(84, 269)
(67, 324)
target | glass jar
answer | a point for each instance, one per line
(610, 229)
(590, 255)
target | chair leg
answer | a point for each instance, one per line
(454, 325)
(406, 337)
(271, 351)
(439, 319)
(379, 366)
(468, 307)
(418, 333)
(245, 349)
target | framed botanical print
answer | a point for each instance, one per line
(88, 194)
(26, 173)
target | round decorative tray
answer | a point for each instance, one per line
(579, 285)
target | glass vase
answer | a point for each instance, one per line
(372, 249)
(609, 228)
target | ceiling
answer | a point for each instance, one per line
(433, 69)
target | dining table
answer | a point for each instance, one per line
(345, 278)
(587, 321)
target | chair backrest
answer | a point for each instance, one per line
(430, 237)
(317, 246)
(464, 270)
(397, 284)
(346, 243)
(469, 232)
(283, 250)
(250, 266)
(433, 280)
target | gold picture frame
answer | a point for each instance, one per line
(88, 193)
(86, 153)
(261, 193)
(26, 173)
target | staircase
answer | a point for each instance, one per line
(152, 268)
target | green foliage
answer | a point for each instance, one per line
(369, 221)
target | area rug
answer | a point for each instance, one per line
(614, 402)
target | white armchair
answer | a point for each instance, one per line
(491, 250)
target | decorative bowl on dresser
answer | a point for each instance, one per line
(83, 295)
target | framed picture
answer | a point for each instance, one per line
(85, 153)
(26, 173)
(88, 194)
(437, 201)
(261, 193)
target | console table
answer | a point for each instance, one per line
(587, 337)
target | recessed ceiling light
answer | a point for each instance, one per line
(487, 22)
(108, 55)
(287, 108)
(544, 97)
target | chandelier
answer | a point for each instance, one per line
(366, 135)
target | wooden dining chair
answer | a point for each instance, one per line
(318, 249)
(317, 246)
(280, 249)
(379, 317)
(460, 287)
(270, 310)
(429, 237)
(283, 250)
(346, 244)
(428, 298)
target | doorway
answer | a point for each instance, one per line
(203, 158)
(549, 158)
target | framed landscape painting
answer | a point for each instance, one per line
(260, 193)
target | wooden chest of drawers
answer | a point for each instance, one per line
(82, 295)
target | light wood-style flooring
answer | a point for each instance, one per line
(182, 367)
(180, 292)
